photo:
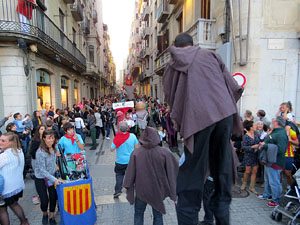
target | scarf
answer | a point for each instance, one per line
(72, 138)
(120, 139)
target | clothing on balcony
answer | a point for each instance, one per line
(25, 8)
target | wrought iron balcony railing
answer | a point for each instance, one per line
(23, 19)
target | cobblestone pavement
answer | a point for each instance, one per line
(244, 211)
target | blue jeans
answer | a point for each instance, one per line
(24, 144)
(272, 184)
(1, 184)
(139, 209)
(107, 130)
(79, 131)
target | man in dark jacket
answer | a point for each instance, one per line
(151, 172)
(202, 96)
(279, 138)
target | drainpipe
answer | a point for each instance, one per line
(233, 30)
(227, 22)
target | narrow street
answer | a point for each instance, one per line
(246, 211)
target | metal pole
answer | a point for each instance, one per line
(240, 32)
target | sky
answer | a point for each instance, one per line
(118, 15)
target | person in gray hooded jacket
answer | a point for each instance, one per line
(151, 173)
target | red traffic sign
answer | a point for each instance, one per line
(240, 79)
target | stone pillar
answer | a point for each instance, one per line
(14, 87)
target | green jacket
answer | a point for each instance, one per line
(279, 138)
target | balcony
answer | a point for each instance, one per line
(92, 70)
(145, 53)
(146, 13)
(146, 32)
(162, 61)
(172, 2)
(77, 11)
(40, 30)
(204, 33)
(86, 26)
(162, 12)
(69, 1)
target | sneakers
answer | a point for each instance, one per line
(262, 197)
(272, 204)
(45, 220)
(52, 221)
(116, 195)
(107, 138)
(35, 200)
(2, 202)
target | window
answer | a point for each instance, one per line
(155, 12)
(151, 64)
(74, 35)
(76, 96)
(205, 9)
(64, 92)
(151, 44)
(155, 33)
(91, 53)
(62, 20)
(43, 90)
(151, 91)
(155, 90)
(151, 18)
(180, 23)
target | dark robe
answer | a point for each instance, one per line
(200, 91)
(151, 172)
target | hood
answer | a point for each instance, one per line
(182, 58)
(150, 138)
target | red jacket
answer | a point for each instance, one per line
(25, 7)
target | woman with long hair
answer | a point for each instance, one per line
(36, 120)
(11, 168)
(34, 146)
(45, 168)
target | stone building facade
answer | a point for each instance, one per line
(259, 39)
(50, 54)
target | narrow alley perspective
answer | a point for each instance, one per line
(150, 112)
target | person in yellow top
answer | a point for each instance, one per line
(289, 155)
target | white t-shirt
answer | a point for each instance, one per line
(79, 123)
(99, 122)
(130, 123)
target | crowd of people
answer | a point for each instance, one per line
(270, 149)
(36, 141)
(150, 172)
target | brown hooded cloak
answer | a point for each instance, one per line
(200, 91)
(151, 172)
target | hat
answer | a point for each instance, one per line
(281, 121)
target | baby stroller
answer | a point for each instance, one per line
(289, 204)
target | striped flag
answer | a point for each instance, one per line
(77, 199)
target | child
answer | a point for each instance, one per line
(162, 134)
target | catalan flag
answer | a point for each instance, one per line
(76, 203)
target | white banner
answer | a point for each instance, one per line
(119, 105)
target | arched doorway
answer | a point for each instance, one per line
(64, 92)
(43, 90)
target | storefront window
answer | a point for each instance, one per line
(64, 92)
(43, 90)
(76, 84)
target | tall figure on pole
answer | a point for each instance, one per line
(202, 96)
